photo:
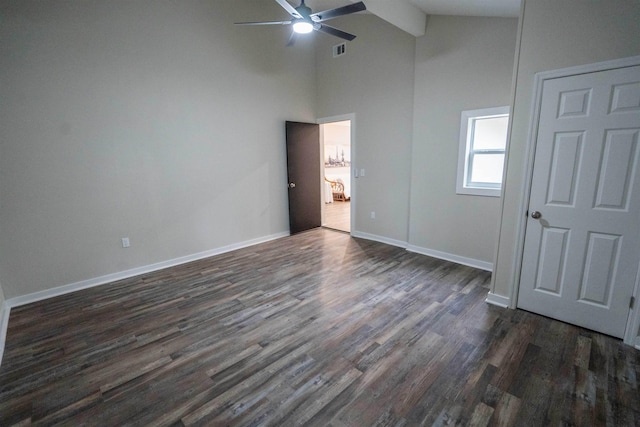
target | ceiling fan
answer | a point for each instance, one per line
(304, 20)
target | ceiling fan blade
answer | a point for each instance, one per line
(292, 39)
(334, 32)
(264, 23)
(290, 9)
(340, 11)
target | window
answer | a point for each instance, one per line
(483, 138)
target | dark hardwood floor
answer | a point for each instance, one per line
(319, 329)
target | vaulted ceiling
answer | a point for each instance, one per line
(411, 15)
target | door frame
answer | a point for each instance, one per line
(633, 320)
(352, 118)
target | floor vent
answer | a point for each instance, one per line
(339, 50)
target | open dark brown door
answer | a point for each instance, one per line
(303, 172)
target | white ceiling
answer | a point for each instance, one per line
(503, 8)
(410, 15)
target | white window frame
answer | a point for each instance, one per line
(465, 152)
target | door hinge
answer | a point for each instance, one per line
(632, 301)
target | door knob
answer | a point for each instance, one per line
(292, 185)
(536, 215)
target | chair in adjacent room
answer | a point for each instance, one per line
(337, 189)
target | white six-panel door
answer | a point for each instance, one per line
(582, 243)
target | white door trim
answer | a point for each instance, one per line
(633, 322)
(352, 205)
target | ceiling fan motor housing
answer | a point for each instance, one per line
(304, 11)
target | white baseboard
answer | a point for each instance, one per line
(498, 300)
(4, 323)
(380, 239)
(471, 262)
(97, 281)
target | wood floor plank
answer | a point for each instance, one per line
(481, 415)
(319, 329)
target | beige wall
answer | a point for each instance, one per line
(462, 63)
(555, 34)
(3, 324)
(163, 122)
(374, 80)
(2, 307)
(156, 120)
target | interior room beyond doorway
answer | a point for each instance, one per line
(336, 147)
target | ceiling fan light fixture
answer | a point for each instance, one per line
(303, 27)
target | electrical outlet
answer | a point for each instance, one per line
(373, 215)
(125, 242)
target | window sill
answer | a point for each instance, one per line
(486, 192)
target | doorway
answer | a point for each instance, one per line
(335, 143)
